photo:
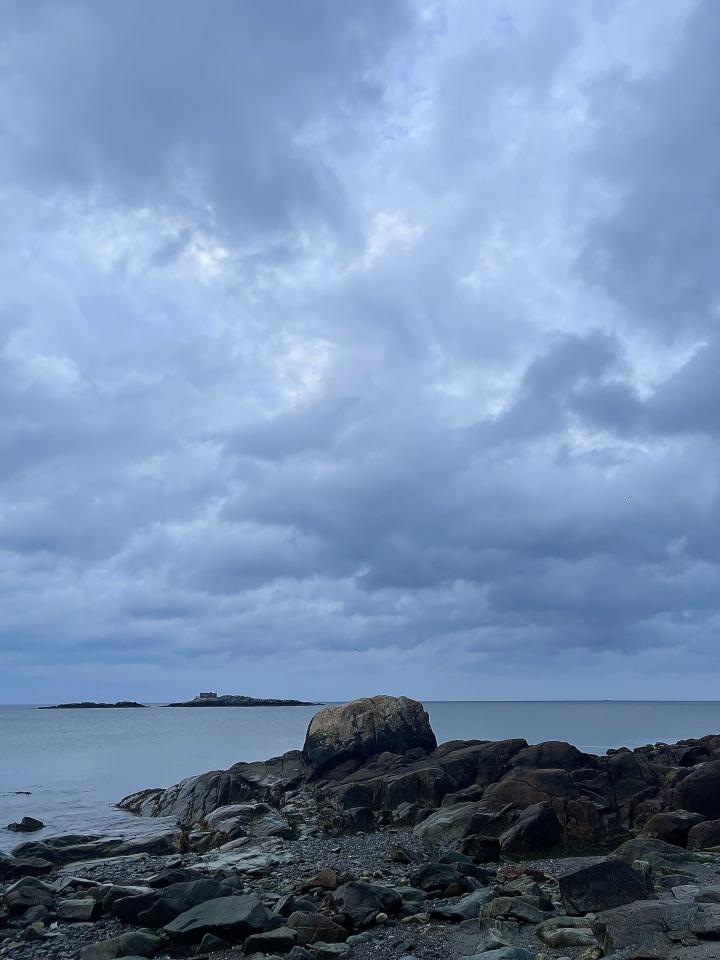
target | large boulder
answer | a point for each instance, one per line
(524, 786)
(699, 791)
(248, 820)
(536, 829)
(450, 825)
(159, 907)
(230, 918)
(672, 826)
(651, 928)
(602, 886)
(660, 855)
(365, 728)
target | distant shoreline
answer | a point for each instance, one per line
(228, 700)
(90, 705)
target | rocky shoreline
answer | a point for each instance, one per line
(373, 842)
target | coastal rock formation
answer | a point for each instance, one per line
(365, 728)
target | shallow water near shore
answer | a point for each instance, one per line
(68, 767)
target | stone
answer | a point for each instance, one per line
(330, 951)
(449, 825)
(26, 825)
(569, 937)
(248, 820)
(159, 907)
(362, 902)
(127, 944)
(231, 918)
(513, 908)
(699, 792)
(603, 885)
(325, 879)
(39, 914)
(645, 923)
(22, 896)
(313, 927)
(704, 835)
(279, 940)
(365, 728)
(13, 868)
(657, 853)
(502, 953)
(536, 829)
(481, 848)
(467, 908)
(438, 877)
(672, 826)
(78, 910)
(210, 942)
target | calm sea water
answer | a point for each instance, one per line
(73, 765)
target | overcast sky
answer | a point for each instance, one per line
(359, 347)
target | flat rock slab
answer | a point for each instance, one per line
(602, 886)
(657, 926)
(231, 918)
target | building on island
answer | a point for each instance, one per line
(206, 696)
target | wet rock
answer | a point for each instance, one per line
(159, 907)
(657, 853)
(231, 918)
(248, 820)
(12, 868)
(467, 908)
(602, 886)
(26, 825)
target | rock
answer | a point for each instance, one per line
(523, 787)
(645, 924)
(126, 945)
(481, 848)
(330, 951)
(279, 940)
(231, 918)
(72, 848)
(78, 910)
(569, 937)
(467, 908)
(699, 792)
(210, 942)
(362, 902)
(39, 914)
(657, 853)
(26, 825)
(704, 835)
(536, 829)
(554, 755)
(248, 820)
(438, 878)
(12, 868)
(449, 825)
(325, 879)
(603, 885)
(514, 908)
(21, 896)
(159, 907)
(672, 827)
(365, 728)
(314, 927)
(502, 953)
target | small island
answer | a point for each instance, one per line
(89, 705)
(235, 700)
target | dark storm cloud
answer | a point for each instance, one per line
(343, 342)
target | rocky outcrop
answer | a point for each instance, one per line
(365, 728)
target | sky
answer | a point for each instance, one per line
(350, 348)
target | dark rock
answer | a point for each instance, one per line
(159, 908)
(127, 944)
(602, 886)
(536, 829)
(314, 927)
(704, 836)
(78, 910)
(660, 855)
(210, 942)
(248, 820)
(39, 914)
(480, 848)
(699, 792)
(13, 868)
(645, 923)
(231, 918)
(280, 940)
(21, 896)
(365, 728)
(450, 825)
(503, 953)
(26, 825)
(361, 902)
(73, 847)
(523, 787)
(554, 755)
(438, 878)
(672, 826)
(467, 908)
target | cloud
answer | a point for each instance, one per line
(333, 343)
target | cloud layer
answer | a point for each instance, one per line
(359, 347)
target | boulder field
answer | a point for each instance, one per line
(373, 841)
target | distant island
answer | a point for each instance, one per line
(231, 700)
(88, 705)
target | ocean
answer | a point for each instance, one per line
(68, 767)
